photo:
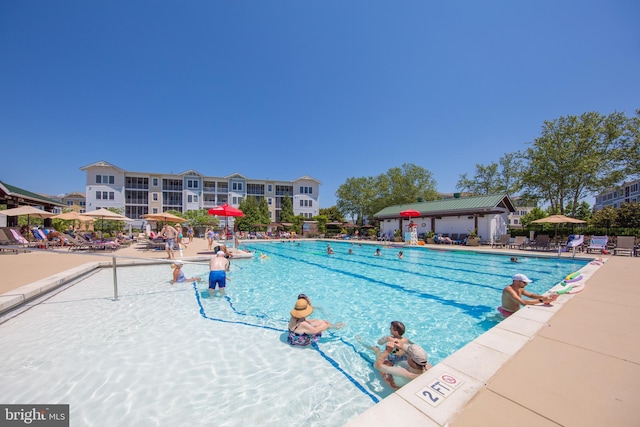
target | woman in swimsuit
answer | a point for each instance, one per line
(303, 331)
(178, 274)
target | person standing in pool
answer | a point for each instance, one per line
(512, 296)
(218, 267)
(303, 331)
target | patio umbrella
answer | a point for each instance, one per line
(410, 213)
(558, 219)
(73, 216)
(106, 214)
(164, 216)
(29, 211)
(225, 211)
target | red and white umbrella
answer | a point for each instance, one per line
(410, 213)
(225, 211)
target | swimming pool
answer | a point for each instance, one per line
(162, 355)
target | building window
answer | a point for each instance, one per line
(269, 200)
(155, 183)
(98, 195)
(105, 179)
(154, 210)
(301, 203)
(270, 188)
(195, 199)
(69, 202)
(83, 203)
(192, 183)
(154, 197)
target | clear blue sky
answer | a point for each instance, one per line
(280, 89)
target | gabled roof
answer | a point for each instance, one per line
(28, 196)
(308, 178)
(102, 164)
(449, 207)
(191, 172)
(236, 175)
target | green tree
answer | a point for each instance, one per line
(286, 211)
(575, 157)
(200, 218)
(532, 215)
(494, 178)
(407, 184)
(606, 217)
(355, 199)
(253, 214)
(629, 215)
(332, 214)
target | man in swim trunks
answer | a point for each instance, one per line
(512, 296)
(218, 267)
(169, 234)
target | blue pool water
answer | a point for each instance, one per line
(163, 355)
(445, 298)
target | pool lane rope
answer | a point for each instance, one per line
(315, 346)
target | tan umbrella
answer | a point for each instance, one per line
(163, 216)
(106, 214)
(558, 219)
(29, 211)
(73, 216)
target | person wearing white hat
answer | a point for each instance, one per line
(178, 274)
(512, 296)
(400, 373)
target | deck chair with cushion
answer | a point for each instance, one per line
(542, 243)
(625, 244)
(502, 242)
(518, 243)
(598, 244)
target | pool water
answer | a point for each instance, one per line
(165, 355)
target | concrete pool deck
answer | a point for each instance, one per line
(576, 363)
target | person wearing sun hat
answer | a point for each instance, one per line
(303, 331)
(400, 373)
(512, 296)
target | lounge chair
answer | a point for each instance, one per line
(598, 244)
(502, 242)
(542, 242)
(625, 244)
(518, 243)
(575, 242)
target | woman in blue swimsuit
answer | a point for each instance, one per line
(178, 275)
(303, 331)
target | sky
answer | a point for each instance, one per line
(283, 89)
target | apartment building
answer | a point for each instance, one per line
(629, 192)
(141, 193)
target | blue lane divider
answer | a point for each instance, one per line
(475, 311)
(313, 345)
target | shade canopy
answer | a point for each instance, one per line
(107, 214)
(410, 213)
(27, 210)
(225, 210)
(163, 216)
(73, 216)
(558, 219)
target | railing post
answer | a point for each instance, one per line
(115, 280)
